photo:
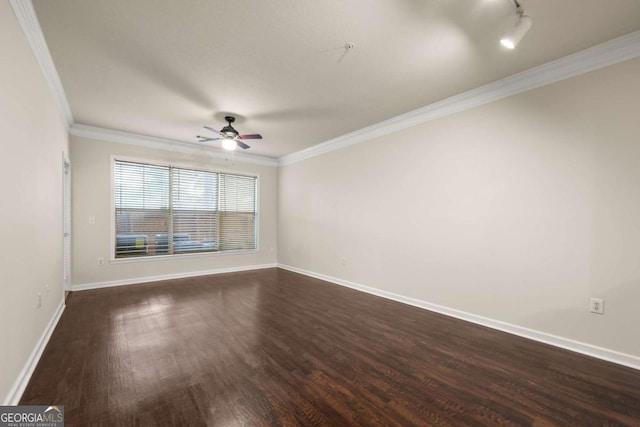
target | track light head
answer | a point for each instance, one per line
(515, 34)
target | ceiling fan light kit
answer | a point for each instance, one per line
(231, 138)
(511, 39)
(229, 144)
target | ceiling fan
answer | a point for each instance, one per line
(231, 138)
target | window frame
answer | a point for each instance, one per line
(181, 165)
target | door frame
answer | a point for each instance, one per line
(66, 222)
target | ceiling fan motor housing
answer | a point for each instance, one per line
(229, 130)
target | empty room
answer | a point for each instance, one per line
(329, 213)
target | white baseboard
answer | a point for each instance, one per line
(136, 280)
(16, 391)
(565, 343)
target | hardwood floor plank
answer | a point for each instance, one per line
(272, 347)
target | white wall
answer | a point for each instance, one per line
(91, 160)
(33, 138)
(518, 211)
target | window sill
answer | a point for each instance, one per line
(182, 256)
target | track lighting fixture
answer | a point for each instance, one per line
(515, 34)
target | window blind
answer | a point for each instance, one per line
(237, 212)
(163, 210)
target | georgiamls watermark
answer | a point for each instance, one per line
(32, 416)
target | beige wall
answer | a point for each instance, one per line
(519, 210)
(91, 161)
(33, 138)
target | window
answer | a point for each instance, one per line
(164, 210)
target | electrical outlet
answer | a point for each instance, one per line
(92, 220)
(596, 305)
(100, 261)
(39, 300)
(343, 261)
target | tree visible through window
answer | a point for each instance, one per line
(164, 210)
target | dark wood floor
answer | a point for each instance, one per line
(271, 347)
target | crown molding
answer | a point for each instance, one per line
(120, 137)
(28, 20)
(609, 53)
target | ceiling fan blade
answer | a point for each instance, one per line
(242, 144)
(251, 136)
(205, 138)
(212, 130)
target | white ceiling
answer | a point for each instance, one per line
(164, 68)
